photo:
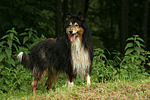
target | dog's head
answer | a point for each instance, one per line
(74, 26)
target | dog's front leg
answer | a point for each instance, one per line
(70, 81)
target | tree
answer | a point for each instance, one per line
(123, 24)
(78, 5)
(58, 18)
(145, 20)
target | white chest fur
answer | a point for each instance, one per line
(80, 58)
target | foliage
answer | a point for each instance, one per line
(30, 38)
(28, 13)
(133, 63)
(103, 18)
(14, 79)
(13, 75)
(131, 66)
(100, 71)
(8, 47)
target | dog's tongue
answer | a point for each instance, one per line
(73, 37)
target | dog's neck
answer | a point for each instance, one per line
(80, 57)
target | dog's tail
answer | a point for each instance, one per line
(24, 60)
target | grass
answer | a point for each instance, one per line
(119, 90)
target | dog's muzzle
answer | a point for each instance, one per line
(71, 31)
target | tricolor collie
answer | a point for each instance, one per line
(72, 54)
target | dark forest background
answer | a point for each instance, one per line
(111, 21)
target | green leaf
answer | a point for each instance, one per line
(2, 56)
(30, 34)
(12, 31)
(7, 81)
(11, 61)
(11, 36)
(34, 31)
(5, 36)
(15, 47)
(138, 49)
(140, 39)
(16, 39)
(8, 52)
(24, 33)
(129, 51)
(25, 40)
(142, 58)
(148, 64)
(138, 43)
(28, 29)
(23, 49)
(2, 43)
(9, 42)
(130, 39)
(129, 45)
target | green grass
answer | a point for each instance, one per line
(118, 90)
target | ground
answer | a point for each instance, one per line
(118, 90)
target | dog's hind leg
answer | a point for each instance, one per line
(48, 83)
(34, 85)
(37, 77)
(53, 75)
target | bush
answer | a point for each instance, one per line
(131, 66)
(14, 76)
(102, 69)
(134, 61)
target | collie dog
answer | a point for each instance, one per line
(71, 54)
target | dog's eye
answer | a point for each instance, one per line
(76, 25)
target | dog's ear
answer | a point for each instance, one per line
(80, 16)
(68, 16)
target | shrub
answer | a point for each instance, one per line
(133, 63)
(130, 66)
(102, 70)
(14, 76)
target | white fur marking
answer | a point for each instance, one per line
(80, 58)
(70, 84)
(19, 56)
(74, 32)
(88, 80)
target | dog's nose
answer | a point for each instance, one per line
(70, 32)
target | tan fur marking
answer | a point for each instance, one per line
(34, 85)
(76, 29)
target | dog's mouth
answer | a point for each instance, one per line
(73, 37)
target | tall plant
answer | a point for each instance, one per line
(8, 47)
(14, 76)
(132, 65)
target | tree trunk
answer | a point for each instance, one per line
(145, 20)
(65, 9)
(86, 7)
(78, 5)
(123, 24)
(58, 18)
